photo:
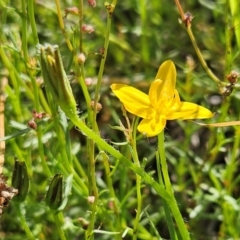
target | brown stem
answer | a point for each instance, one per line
(180, 10)
(2, 133)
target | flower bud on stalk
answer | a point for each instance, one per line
(92, 3)
(56, 79)
(84, 223)
(54, 195)
(20, 180)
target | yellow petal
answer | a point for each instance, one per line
(166, 73)
(187, 110)
(151, 127)
(135, 101)
(155, 93)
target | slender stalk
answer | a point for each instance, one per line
(172, 203)
(228, 37)
(12, 73)
(80, 25)
(43, 101)
(24, 31)
(81, 80)
(178, 219)
(138, 178)
(26, 228)
(58, 218)
(61, 23)
(161, 160)
(91, 143)
(79, 169)
(203, 62)
(101, 69)
(109, 181)
(3, 83)
(93, 191)
(180, 10)
(196, 48)
(144, 44)
(32, 21)
(46, 169)
(153, 225)
(80, 71)
(231, 167)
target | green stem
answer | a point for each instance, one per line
(61, 23)
(196, 48)
(24, 31)
(179, 220)
(101, 69)
(27, 230)
(228, 37)
(32, 21)
(41, 152)
(163, 160)
(91, 144)
(89, 233)
(58, 218)
(144, 44)
(233, 162)
(172, 203)
(92, 185)
(110, 182)
(138, 178)
(78, 184)
(15, 79)
(80, 25)
(80, 71)
(79, 169)
(66, 157)
(203, 62)
(163, 178)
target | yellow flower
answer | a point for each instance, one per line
(161, 104)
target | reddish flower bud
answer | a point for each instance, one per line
(37, 115)
(102, 50)
(32, 124)
(99, 106)
(92, 3)
(188, 17)
(233, 77)
(84, 223)
(87, 28)
(81, 58)
(71, 10)
(88, 81)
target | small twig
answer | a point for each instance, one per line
(2, 133)
(180, 9)
(186, 19)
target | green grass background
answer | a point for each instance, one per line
(203, 162)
